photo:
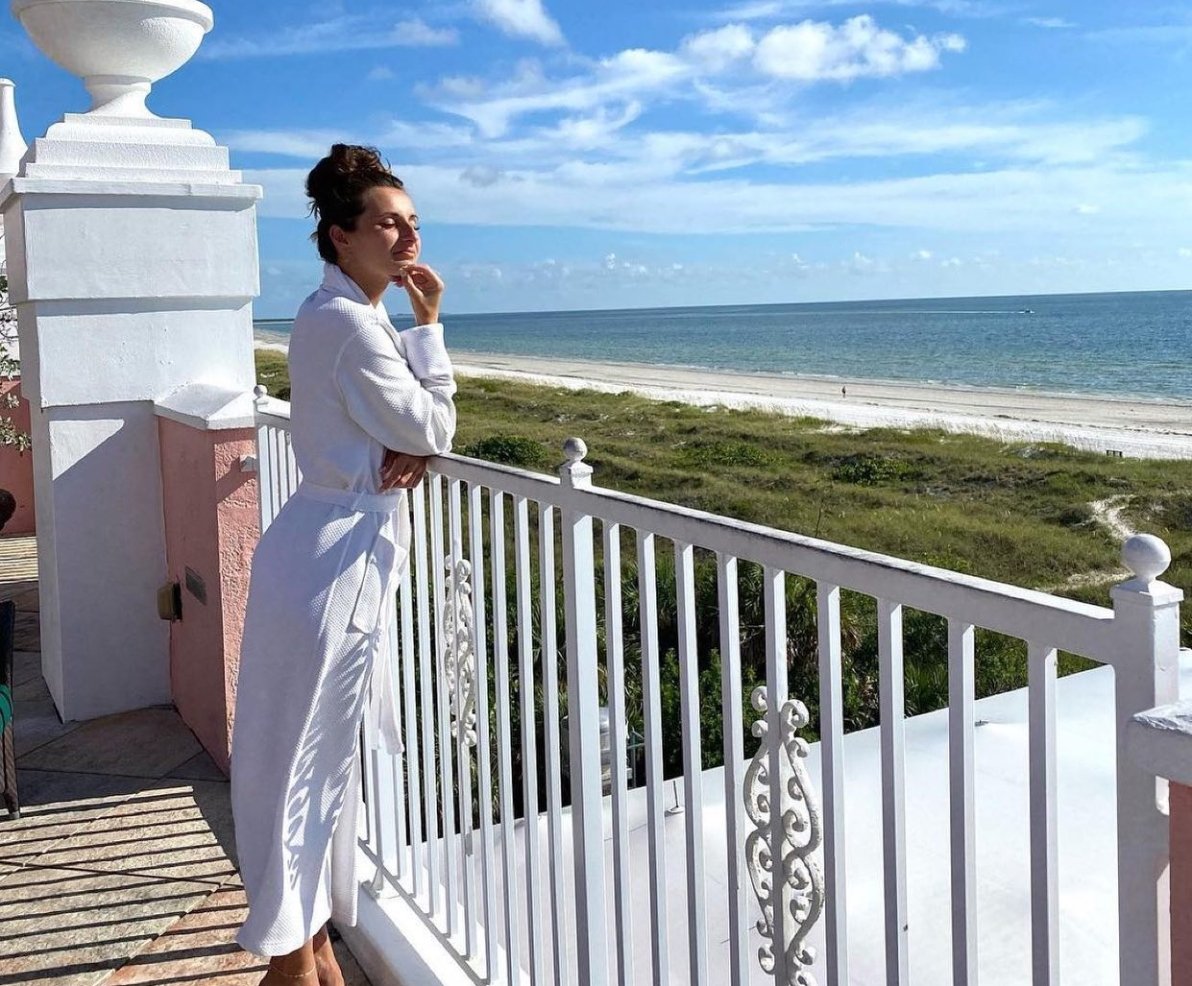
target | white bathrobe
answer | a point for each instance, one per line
(320, 603)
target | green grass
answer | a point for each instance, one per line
(1017, 513)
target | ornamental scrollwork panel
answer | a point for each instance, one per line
(801, 833)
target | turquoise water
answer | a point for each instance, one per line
(1126, 344)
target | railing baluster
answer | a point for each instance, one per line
(264, 478)
(893, 711)
(483, 755)
(778, 690)
(512, 968)
(832, 780)
(961, 696)
(292, 474)
(525, 647)
(652, 722)
(397, 762)
(618, 743)
(463, 749)
(1045, 916)
(583, 720)
(426, 680)
(693, 790)
(446, 760)
(736, 825)
(550, 735)
(410, 720)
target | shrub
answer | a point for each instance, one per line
(510, 450)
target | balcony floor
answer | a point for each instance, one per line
(119, 869)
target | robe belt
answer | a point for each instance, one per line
(368, 620)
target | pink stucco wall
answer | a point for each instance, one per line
(1180, 802)
(212, 528)
(16, 468)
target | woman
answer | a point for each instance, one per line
(368, 403)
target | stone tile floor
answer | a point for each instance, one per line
(120, 868)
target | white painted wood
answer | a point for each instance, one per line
(735, 820)
(1045, 916)
(550, 737)
(535, 927)
(410, 720)
(463, 750)
(1147, 638)
(426, 679)
(693, 792)
(961, 695)
(893, 709)
(1139, 637)
(583, 725)
(438, 554)
(488, 870)
(510, 972)
(1022, 613)
(652, 725)
(618, 742)
(831, 727)
(777, 692)
(395, 765)
(264, 478)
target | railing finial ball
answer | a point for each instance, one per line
(1146, 556)
(260, 392)
(575, 449)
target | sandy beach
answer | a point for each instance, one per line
(1135, 427)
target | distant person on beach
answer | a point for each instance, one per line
(369, 402)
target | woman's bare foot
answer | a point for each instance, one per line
(328, 968)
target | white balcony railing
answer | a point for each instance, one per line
(516, 890)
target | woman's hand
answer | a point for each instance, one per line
(425, 288)
(401, 471)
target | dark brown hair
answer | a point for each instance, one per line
(336, 187)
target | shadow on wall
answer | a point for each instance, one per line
(16, 470)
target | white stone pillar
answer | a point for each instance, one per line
(132, 261)
(12, 149)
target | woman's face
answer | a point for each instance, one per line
(385, 238)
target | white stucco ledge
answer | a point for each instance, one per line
(235, 194)
(207, 407)
(1160, 740)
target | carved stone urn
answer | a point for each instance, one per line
(118, 47)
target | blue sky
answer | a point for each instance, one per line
(668, 152)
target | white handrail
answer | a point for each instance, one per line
(1138, 637)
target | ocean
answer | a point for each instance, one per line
(1128, 344)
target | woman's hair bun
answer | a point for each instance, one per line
(346, 170)
(336, 187)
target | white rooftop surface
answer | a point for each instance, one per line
(1087, 853)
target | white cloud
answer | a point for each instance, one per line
(761, 10)
(381, 73)
(521, 18)
(1184, 252)
(1085, 209)
(811, 51)
(922, 255)
(1151, 200)
(716, 50)
(349, 33)
(1051, 23)
(816, 50)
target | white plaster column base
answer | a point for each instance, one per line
(101, 557)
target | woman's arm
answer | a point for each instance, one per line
(413, 414)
